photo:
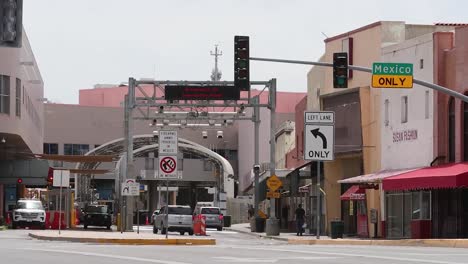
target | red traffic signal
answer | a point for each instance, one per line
(50, 176)
(19, 181)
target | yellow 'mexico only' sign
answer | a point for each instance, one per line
(392, 75)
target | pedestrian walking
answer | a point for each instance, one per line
(250, 211)
(300, 215)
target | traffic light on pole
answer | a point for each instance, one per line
(11, 23)
(340, 70)
(241, 63)
(50, 177)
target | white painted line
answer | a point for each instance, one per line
(222, 232)
(108, 256)
(268, 260)
(363, 255)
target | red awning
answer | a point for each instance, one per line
(452, 175)
(354, 193)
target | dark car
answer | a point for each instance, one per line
(97, 215)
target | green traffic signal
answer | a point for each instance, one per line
(340, 70)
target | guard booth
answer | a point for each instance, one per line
(52, 206)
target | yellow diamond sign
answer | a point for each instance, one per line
(274, 183)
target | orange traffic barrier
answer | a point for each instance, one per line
(203, 225)
(199, 225)
(48, 221)
(196, 225)
(55, 221)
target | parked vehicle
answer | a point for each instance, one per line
(214, 217)
(29, 213)
(179, 220)
(97, 215)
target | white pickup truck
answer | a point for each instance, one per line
(179, 218)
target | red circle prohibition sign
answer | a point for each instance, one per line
(167, 164)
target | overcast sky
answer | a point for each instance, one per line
(80, 43)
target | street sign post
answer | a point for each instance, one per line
(273, 194)
(168, 167)
(319, 133)
(274, 183)
(168, 149)
(61, 179)
(130, 188)
(392, 75)
(319, 145)
(168, 143)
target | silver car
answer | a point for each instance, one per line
(179, 218)
(214, 217)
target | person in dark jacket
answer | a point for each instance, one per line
(300, 218)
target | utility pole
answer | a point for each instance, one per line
(216, 74)
(272, 223)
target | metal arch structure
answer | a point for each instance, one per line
(143, 144)
(153, 106)
(224, 166)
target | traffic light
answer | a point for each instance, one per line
(340, 70)
(19, 181)
(11, 23)
(241, 63)
(50, 177)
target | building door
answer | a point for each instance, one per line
(349, 213)
(398, 208)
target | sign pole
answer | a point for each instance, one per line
(60, 203)
(138, 218)
(318, 199)
(167, 207)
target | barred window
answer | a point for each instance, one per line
(18, 97)
(4, 94)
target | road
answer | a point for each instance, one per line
(17, 248)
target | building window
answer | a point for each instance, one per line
(50, 148)
(4, 94)
(75, 149)
(421, 205)
(404, 109)
(426, 113)
(451, 130)
(387, 113)
(18, 97)
(421, 64)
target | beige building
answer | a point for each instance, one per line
(358, 118)
(21, 116)
(285, 142)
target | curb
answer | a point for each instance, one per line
(451, 243)
(130, 241)
(257, 234)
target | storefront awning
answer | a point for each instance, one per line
(354, 193)
(454, 175)
(375, 178)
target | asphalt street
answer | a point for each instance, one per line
(17, 248)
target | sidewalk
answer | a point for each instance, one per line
(115, 237)
(291, 238)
